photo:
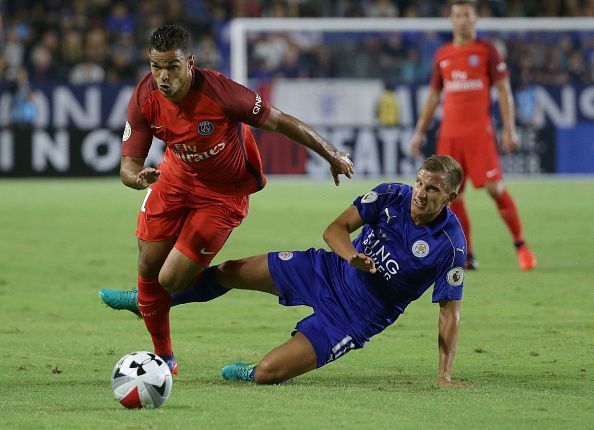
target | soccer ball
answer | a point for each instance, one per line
(141, 380)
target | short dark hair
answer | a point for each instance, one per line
(472, 3)
(171, 38)
(448, 166)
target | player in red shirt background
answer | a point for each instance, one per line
(199, 194)
(464, 70)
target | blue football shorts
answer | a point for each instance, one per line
(306, 278)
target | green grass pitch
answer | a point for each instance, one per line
(526, 341)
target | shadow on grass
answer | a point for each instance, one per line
(412, 383)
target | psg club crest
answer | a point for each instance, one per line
(205, 128)
(420, 248)
(473, 60)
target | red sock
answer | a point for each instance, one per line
(459, 210)
(154, 303)
(509, 213)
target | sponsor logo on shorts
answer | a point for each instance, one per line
(455, 276)
(204, 251)
(420, 248)
(205, 128)
(285, 255)
(127, 132)
(370, 197)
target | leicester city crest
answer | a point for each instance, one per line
(370, 197)
(205, 128)
(285, 255)
(420, 248)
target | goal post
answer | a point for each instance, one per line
(241, 27)
(555, 109)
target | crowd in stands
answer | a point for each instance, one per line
(105, 41)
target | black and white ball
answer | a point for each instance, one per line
(141, 380)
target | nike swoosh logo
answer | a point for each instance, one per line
(203, 251)
(157, 126)
(491, 173)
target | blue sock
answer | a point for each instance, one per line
(204, 290)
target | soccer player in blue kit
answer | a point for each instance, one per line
(409, 240)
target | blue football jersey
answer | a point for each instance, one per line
(409, 258)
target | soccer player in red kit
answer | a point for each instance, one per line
(464, 70)
(199, 194)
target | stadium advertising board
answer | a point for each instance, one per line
(78, 131)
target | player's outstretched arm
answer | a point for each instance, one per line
(449, 321)
(424, 120)
(135, 175)
(297, 130)
(337, 237)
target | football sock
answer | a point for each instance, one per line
(509, 213)
(203, 289)
(459, 209)
(154, 303)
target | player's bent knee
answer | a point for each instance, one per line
(495, 189)
(230, 268)
(178, 272)
(173, 283)
(268, 372)
(148, 269)
(167, 283)
(249, 273)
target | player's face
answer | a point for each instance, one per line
(430, 195)
(172, 70)
(463, 18)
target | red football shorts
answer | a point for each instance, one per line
(477, 154)
(200, 223)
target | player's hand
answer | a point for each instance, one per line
(509, 141)
(448, 383)
(148, 176)
(341, 164)
(363, 262)
(415, 145)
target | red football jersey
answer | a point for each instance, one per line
(465, 75)
(210, 149)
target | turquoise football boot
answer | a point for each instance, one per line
(239, 372)
(121, 299)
